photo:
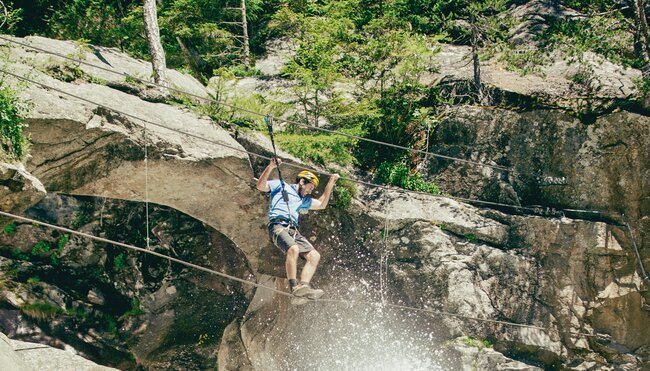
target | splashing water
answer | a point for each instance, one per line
(338, 336)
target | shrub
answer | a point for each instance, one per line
(12, 141)
(9, 229)
(398, 174)
(343, 194)
(41, 247)
(321, 149)
(119, 262)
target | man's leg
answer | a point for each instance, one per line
(291, 262)
(312, 258)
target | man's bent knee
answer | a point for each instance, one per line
(313, 256)
(293, 250)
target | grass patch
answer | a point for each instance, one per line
(41, 311)
(477, 343)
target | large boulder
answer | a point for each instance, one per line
(19, 190)
(116, 69)
(89, 149)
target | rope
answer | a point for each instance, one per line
(496, 167)
(269, 124)
(146, 181)
(238, 149)
(140, 249)
(258, 285)
(644, 274)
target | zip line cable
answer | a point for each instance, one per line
(110, 70)
(258, 285)
(225, 145)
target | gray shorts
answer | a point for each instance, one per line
(285, 237)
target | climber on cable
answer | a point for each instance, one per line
(287, 201)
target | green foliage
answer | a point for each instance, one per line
(13, 143)
(135, 310)
(228, 117)
(398, 174)
(477, 343)
(240, 70)
(18, 254)
(119, 262)
(9, 229)
(11, 18)
(63, 240)
(405, 121)
(321, 149)
(33, 280)
(315, 66)
(643, 84)
(40, 247)
(574, 37)
(343, 193)
(470, 237)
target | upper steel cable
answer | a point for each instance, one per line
(225, 145)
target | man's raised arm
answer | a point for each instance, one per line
(323, 200)
(264, 177)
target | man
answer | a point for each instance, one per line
(283, 224)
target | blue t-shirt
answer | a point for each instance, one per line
(278, 207)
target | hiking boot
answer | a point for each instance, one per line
(314, 294)
(304, 291)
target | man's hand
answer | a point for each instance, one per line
(334, 178)
(273, 164)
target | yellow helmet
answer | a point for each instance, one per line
(309, 176)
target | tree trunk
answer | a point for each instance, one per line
(641, 35)
(155, 46)
(247, 51)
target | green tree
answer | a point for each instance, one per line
(315, 67)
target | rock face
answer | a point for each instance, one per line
(558, 161)
(24, 356)
(161, 310)
(568, 278)
(19, 189)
